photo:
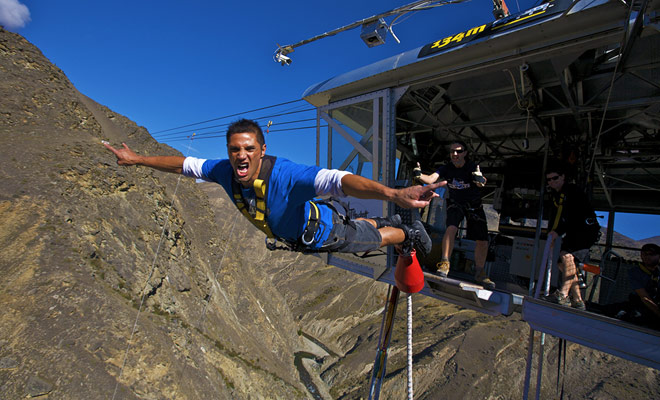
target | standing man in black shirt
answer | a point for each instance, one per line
(573, 218)
(464, 180)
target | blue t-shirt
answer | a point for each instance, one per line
(290, 188)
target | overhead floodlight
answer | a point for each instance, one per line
(280, 55)
(282, 59)
(374, 28)
(374, 32)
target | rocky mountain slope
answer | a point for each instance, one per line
(131, 283)
(86, 245)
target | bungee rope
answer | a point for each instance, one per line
(410, 348)
(378, 373)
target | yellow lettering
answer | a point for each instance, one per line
(441, 43)
(458, 37)
(475, 30)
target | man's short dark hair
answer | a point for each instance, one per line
(651, 248)
(460, 143)
(555, 167)
(244, 125)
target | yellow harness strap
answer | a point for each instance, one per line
(260, 190)
(560, 207)
(259, 219)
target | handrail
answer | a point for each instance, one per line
(613, 279)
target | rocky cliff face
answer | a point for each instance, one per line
(131, 283)
(87, 245)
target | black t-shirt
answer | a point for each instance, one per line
(459, 182)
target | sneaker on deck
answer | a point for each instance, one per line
(578, 304)
(443, 268)
(559, 298)
(482, 278)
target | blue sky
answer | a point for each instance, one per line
(170, 63)
(166, 64)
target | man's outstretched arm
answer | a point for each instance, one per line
(428, 179)
(126, 156)
(410, 197)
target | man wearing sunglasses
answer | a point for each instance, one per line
(464, 180)
(574, 219)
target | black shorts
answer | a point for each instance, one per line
(574, 242)
(352, 236)
(477, 225)
(581, 238)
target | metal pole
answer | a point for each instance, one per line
(543, 268)
(610, 230)
(539, 371)
(539, 218)
(378, 373)
(528, 368)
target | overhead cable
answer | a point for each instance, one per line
(227, 116)
(164, 135)
(225, 135)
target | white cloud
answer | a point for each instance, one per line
(13, 14)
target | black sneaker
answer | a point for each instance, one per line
(559, 298)
(417, 238)
(578, 304)
(394, 220)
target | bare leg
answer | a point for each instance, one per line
(570, 282)
(391, 236)
(448, 241)
(371, 221)
(480, 253)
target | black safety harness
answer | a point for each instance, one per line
(470, 208)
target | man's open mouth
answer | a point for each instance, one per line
(242, 169)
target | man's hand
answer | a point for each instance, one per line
(479, 178)
(416, 196)
(125, 156)
(417, 171)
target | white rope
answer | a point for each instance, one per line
(410, 349)
(153, 268)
